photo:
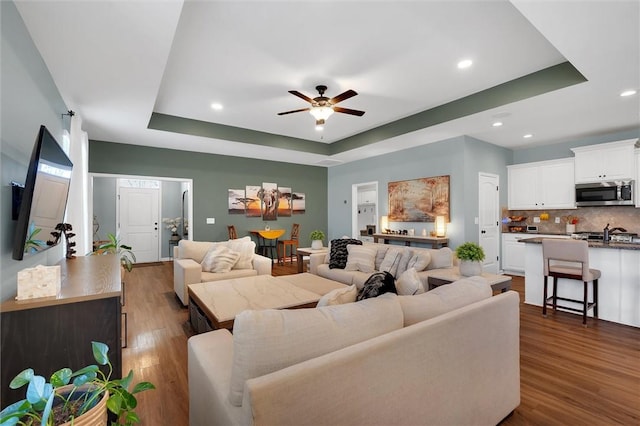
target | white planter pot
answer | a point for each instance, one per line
(469, 268)
(316, 244)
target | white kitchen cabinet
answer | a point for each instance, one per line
(605, 162)
(513, 253)
(367, 197)
(542, 185)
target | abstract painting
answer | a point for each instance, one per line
(419, 200)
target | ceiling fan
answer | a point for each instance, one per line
(322, 107)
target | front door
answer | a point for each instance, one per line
(489, 220)
(139, 222)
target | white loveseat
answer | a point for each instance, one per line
(187, 264)
(446, 357)
(443, 258)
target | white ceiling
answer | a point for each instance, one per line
(116, 62)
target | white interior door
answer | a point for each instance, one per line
(139, 215)
(489, 220)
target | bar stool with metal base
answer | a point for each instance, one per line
(564, 258)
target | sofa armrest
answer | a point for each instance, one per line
(261, 264)
(185, 272)
(315, 260)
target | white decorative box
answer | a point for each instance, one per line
(41, 281)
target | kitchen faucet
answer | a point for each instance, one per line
(606, 237)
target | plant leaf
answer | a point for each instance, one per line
(125, 382)
(100, 351)
(132, 418)
(21, 379)
(143, 386)
(84, 378)
(47, 409)
(61, 377)
(12, 413)
(35, 390)
(114, 403)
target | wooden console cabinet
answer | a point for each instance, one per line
(50, 333)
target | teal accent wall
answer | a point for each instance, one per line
(461, 158)
(212, 176)
(29, 99)
(563, 150)
(104, 206)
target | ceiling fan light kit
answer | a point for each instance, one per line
(322, 107)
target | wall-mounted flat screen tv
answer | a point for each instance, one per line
(44, 198)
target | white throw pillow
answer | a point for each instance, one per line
(361, 258)
(339, 296)
(269, 340)
(246, 248)
(409, 284)
(420, 260)
(407, 254)
(391, 261)
(441, 258)
(219, 259)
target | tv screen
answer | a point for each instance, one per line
(44, 198)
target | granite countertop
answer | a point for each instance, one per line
(592, 244)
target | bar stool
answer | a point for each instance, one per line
(291, 242)
(565, 258)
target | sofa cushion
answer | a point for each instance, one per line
(382, 251)
(219, 259)
(340, 275)
(269, 340)
(361, 258)
(339, 296)
(443, 299)
(234, 273)
(377, 284)
(391, 260)
(193, 249)
(441, 258)
(420, 260)
(338, 252)
(409, 284)
(246, 248)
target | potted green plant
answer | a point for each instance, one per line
(114, 246)
(316, 239)
(76, 398)
(471, 256)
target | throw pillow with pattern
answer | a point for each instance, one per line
(377, 284)
(339, 254)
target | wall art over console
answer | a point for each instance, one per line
(237, 201)
(419, 200)
(253, 207)
(284, 202)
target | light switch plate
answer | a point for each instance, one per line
(536, 219)
(557, 220)
(211, 221)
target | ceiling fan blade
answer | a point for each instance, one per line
(300, 95)
(342, 96)
(295, 110)
(349, 111)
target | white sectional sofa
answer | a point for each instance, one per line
(188, 257)
(443, 258)
(446, 357)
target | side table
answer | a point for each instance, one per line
(307, 251)
(171, 244)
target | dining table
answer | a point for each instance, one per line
(267, 241)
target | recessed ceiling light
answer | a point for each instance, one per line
(528, 135)
(216, 106)
(628, 93)
(497, 124)
(466, 63)
(319, 128)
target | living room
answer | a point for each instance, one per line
(31, 96)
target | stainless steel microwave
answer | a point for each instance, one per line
(605, 194)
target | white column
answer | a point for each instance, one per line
(78, 204)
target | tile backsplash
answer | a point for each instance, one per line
(589, 219)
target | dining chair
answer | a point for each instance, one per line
(232, 232)
(292, 243)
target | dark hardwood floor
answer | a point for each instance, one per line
(570, 375)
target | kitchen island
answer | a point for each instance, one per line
(618, 287)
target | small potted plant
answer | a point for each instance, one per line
(316, 239)
(81, 401)
(114, 246)
(471, 256)
(172, 224)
